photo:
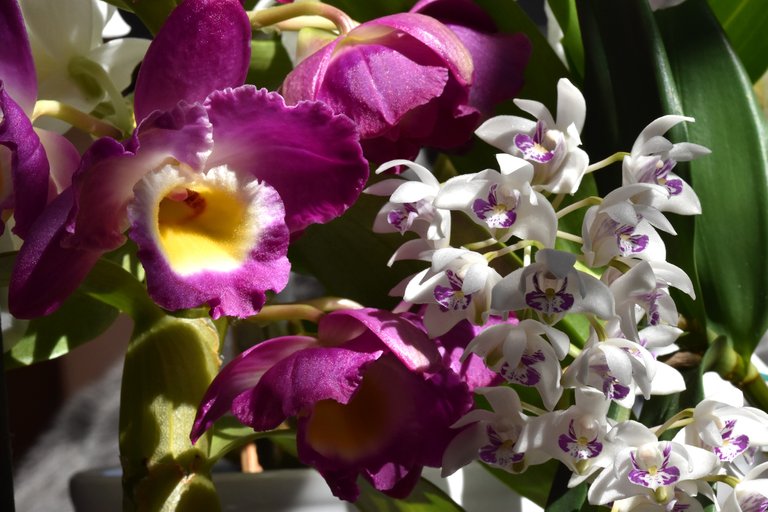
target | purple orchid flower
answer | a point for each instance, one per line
(23, 162)
(213, 183)
(370, 395)
(409, 81)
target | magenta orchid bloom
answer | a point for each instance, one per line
(213, 183)
(407, 79)
(370, 395)
(24, 169)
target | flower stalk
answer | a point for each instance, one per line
(282, 13)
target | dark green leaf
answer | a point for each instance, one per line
(568, 19)
(565, 499)
(534, 484)
(350, 260)
(269, 64)
(153, 12)
(731, 237)
(746, 24)
(426, 497)
(79, 320)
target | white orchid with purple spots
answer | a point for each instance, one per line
(652, 159)
(552, 146)
(503, 202)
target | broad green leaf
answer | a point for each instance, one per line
(534, 484)
(731, 237)
(269, 64)
(168, 367)
(153, 12)
(628, 84)
(746, 24)
(113, 285)
(568, 19)
(565, 499)
(79, 320)
(426, 497)
(350, 260)
(55, 335)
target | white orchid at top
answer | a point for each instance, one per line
(651, 161)
(74, 65)
(551, 145)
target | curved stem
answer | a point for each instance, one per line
(589, 201)
(490, 256)
(327, 304)
(275, 313)
(532, 409)
(281, 13)
(568, 236)
(616, 157)
(76, 118)
(681, 419)
(480, 245)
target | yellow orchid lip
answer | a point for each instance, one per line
(203, 230)
(201, 221)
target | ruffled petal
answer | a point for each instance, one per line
(109, 171)
(203, 46)
(215, 238)
(241, 375)
(17, 70)
(309, 155)
(28, 191)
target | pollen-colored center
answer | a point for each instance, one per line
(354, 430)
(203, 229)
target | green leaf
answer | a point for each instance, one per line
(153, 12)
(731, 237)
(746, 23)
(567, 17)
(565, 499)
(168, 367)
(269, 64)
(350, 260)
(79, 320)
(534, 484)
(426, 497)
(113, 285)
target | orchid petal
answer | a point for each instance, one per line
(28, 191)
(203, 46)
(17, 70)
(308, 154)
(242, 374)
(38, 286)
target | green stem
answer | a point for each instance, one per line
(76, 118)
(568, 236)
(83, 67)
(616, 157)
(755, 388)
(281, 13)
(681, 419)
(275, 313)
(532, 409)
(726, 479)
(589, 201)
(327, 304)
(490, 256)
(481, 245)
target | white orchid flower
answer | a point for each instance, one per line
(552, 146)
(74, 65)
